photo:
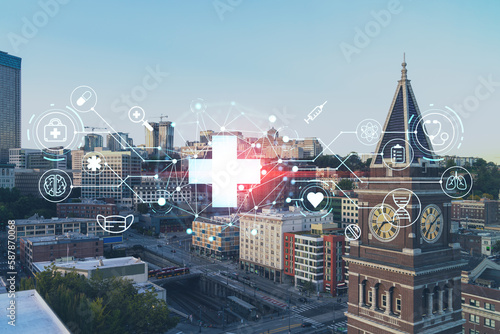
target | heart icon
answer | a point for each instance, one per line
(315, 198)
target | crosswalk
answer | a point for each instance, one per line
(339, 325)
(274, 301)
(314, 323)
(311, 306)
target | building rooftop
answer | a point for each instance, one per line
(36, 219)
(33, 315)
(292, 213)
(90, 263)
(64, 237)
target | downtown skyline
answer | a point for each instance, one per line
(286, 68)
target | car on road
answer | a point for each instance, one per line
(173, 251)
(246, 277)
(303, 300)
(306, 324)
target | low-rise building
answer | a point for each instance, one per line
(481, 298)
(475, 214)
(32, 314)
(87, 208)
(262, 238)
(217, 237)
(50, 248)
(38, 226)
(478, 243)
(126, 267)
(7, 176)
(316, 256)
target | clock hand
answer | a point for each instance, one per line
(431, 225)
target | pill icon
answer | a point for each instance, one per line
(84, 98)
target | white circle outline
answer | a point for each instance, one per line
(41, 143)
(102, 164)
(407, 164)
(357, 228)
(83, 110)
(70, 185)
(419, 206)
(441, 151)
(442, 182)
(359, 127)
(143, 114)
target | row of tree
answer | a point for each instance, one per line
(101, 306)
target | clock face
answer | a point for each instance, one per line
(431, 223)
(384, 223)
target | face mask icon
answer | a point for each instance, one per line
(456, 182)
(116, 223)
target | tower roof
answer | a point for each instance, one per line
(402, 129)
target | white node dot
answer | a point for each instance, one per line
(256, 207)
(253, 145)
(196, 216)
(288, 200)
(263, 172)
(174, 161)
(230, 224)
(195, 156)
(223, 128)
(274, 202)
(254, 232)
(233, 103)
(209, 143)
(159, 147)
(250, 190)
(440, 181)
(286, 139)
(178, 188)
(272, 118)
(295, 168)
(173, 124)
(241, 187)
(156, 176)
(280, 161)
(258, 145)
(162, 201)
(71, 186)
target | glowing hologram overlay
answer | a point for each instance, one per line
(224, 171)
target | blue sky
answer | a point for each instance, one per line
(263, 55)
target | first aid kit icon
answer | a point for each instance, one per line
(55, 131)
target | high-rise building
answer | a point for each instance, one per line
(10, 104)
(218, 237)
(311, 147)
(404, 270)
(92, 141)
(118, 141)
(19, 156)
(160, 141)
(116, 180)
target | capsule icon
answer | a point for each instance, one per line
(84, 98)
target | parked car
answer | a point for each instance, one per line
(306, 324)
(303, 300)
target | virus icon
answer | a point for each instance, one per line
(94, 163)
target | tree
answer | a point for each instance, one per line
(309, 286)
(496, 247)
(345, 184)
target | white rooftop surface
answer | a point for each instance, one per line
(91, 263)
(33, 315)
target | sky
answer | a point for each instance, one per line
(272, 57)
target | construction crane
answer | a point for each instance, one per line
(161, 117)
(94, 127)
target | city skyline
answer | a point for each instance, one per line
(286, 72)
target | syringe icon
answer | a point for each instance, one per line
(314, 113)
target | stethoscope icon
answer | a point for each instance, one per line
(434, 138)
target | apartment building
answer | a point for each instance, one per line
(262, 238)
(316, 256)
(217, 237)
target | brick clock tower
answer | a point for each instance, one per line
(404, 270)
